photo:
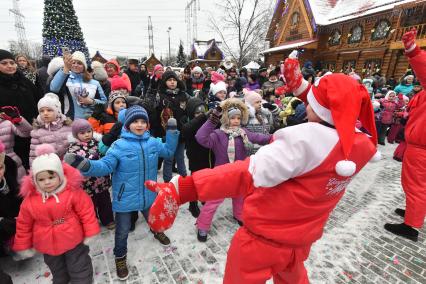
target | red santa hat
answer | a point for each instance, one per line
(341, 101)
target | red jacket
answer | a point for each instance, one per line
(415, 131)
(292, 212)
(54, 228)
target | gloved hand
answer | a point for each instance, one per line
(11, 113)
(409, 40)
(268, 106)
(215, 115)
(24, 254)
(282, 90)
(88, 241)
(76, 161)
(171, 124)
(113, 134)
(164, 210)
(292, 74)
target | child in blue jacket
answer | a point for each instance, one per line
(132, 160)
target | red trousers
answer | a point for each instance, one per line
(413, 179)
(254, 261)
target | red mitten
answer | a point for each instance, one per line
(10, 113)
(292, 74)
(165, 207)
(280, 91)
(409, 39)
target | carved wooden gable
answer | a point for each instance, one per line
(295, 23)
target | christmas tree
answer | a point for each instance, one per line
(181, 59)
(61, 29)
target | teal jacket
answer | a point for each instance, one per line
(132, 160)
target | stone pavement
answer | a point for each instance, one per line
(354, 248)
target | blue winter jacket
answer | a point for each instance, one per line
(132, 160)
(75, 87)
(403, 89)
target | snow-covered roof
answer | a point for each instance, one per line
(289, 46)
(252, 65)
(202, 47)
(328, 12)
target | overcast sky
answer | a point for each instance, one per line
(116, 27)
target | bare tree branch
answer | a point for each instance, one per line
(242, 27)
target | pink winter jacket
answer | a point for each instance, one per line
(8, 130)
(55, 134)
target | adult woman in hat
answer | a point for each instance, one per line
(17, 91)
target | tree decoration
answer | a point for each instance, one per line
(61, 29)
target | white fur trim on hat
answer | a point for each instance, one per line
(78, 55)
(303, 86)
(323, 112)
(345, 168)
(50, 100)
(54, 65)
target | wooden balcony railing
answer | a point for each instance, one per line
(396, 43)
(421, 32)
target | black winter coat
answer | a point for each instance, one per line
(18, 91)
(10, 202)
(199, 157)
(135, 79)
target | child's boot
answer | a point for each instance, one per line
(162, 238)
(202, 235)
(121, 266)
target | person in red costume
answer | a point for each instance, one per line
(290, 186)
(413, 177)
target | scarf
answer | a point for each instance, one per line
(32, 76)
(232, 134)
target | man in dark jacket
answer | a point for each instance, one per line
(42, 73)
(198, 157)
(133, 73)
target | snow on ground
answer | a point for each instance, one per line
(351, 235)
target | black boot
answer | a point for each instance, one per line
(400, 212)
(403, 230)
(193, 208)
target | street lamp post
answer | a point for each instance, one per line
(168, 31)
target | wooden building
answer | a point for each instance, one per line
(206, 53)
(151, 62)
(341, 35)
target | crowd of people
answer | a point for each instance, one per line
(78, 143)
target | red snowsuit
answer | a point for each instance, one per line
(413, 177)
(54, 228)
(283, 218)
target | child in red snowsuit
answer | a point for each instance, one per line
(290, 186)
(56, 218)
(413, 177)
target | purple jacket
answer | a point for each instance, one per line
(217, 140)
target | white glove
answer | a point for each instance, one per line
(23, 254)
(89, 240)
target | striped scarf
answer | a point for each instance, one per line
(232, 134)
